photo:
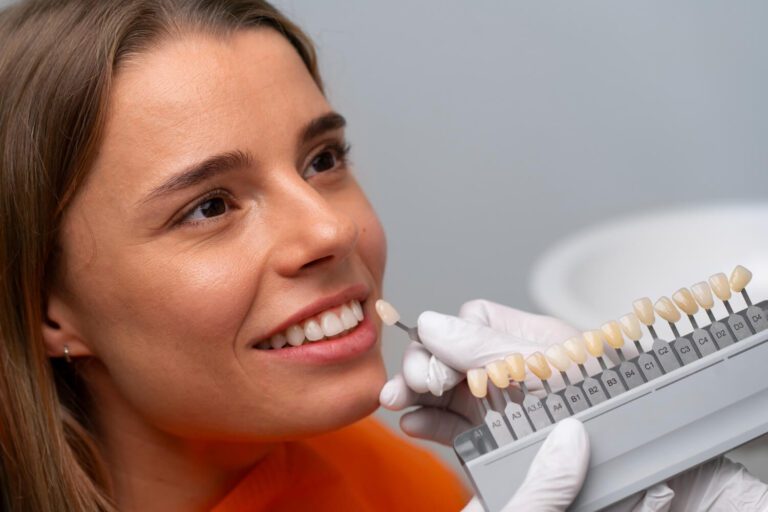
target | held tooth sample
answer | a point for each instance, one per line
(612, 384)
(477, 379)
(498, 372)
(683, 346)
(576, 349)
(539, 366)
(722, 289)
(574, 397)
(665, 354)
(646, 362)
(688, 305)
(532, 406)
(389, 316)
(720, 332)
(628, 370)
(740, 278)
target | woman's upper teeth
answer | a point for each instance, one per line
(329, 323)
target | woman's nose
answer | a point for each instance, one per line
(314, 233)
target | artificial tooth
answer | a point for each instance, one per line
(558, 357)
(643, 309)
(516, 366)
(313, 331)
(703, 295)
(387, 312)
(331, 324)
(278, 341)
(720, 285)
(348, 319)
(613, 334)
(631, 326)
(295, 335)
(357, 310)
(576, 349)
(740, 278)
(537, 363)
(667, 310)
(478, 382)
(498, 373)
(685, 301)
(594, 341)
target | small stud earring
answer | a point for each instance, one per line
(66, 354)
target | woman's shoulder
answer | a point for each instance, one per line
(381, 461)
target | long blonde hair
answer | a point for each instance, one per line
(58, 59)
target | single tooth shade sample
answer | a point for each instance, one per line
(631, 326)
(613, 334)
(594, 341)
(667, 310)
(478, 382)
(576, 349)
(643, 309)
(516, 367)
(685, 301)
(387, 312)
(537, 363)
(498, 373)
(558, 357)
(703, 295)
(720, 285)
(740, 278)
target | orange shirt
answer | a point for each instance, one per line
(363, 468)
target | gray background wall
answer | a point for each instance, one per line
(485, 131)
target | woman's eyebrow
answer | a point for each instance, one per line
(232, 160)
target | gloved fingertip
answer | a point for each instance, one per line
(389, 394)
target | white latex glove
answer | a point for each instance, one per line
(719, 485)
(484, 332)
(556, 473)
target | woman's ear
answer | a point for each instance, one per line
(60, 329)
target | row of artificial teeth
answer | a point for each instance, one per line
(329, 324)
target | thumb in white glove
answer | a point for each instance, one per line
(556, 473)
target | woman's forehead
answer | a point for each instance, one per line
(201, 94)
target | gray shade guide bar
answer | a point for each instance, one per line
(536, 412)
(685, 350)
(757, 318)
(666, 355)
(630, 374)
(649, 367)
(642, 453)
(721, 334)
(556, 406)
(593, 390)
(703, 342)
(612, 383)
(739, 326)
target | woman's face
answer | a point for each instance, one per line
(219, 214)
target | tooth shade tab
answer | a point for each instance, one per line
(537, 363)
(613, 334)
(498, 373)
(516, 366)
(667, 310)
(558, 357)
(386, 312)
(685, 301)
(576, 349)
(631, 326)
(740, 278)
(594, 341)
(643, 309)
(720, 286)
(703, 295)
(477, 380)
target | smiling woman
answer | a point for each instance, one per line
(189, 269)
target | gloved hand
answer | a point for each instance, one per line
(556, 473)
(719, 485)
(484, 332)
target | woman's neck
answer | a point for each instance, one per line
(152, 470)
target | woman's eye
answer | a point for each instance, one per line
(327, 160)
(210, 207)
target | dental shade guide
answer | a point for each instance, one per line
(639, 436)
(390, 316)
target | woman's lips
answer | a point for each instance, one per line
(356, 342)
